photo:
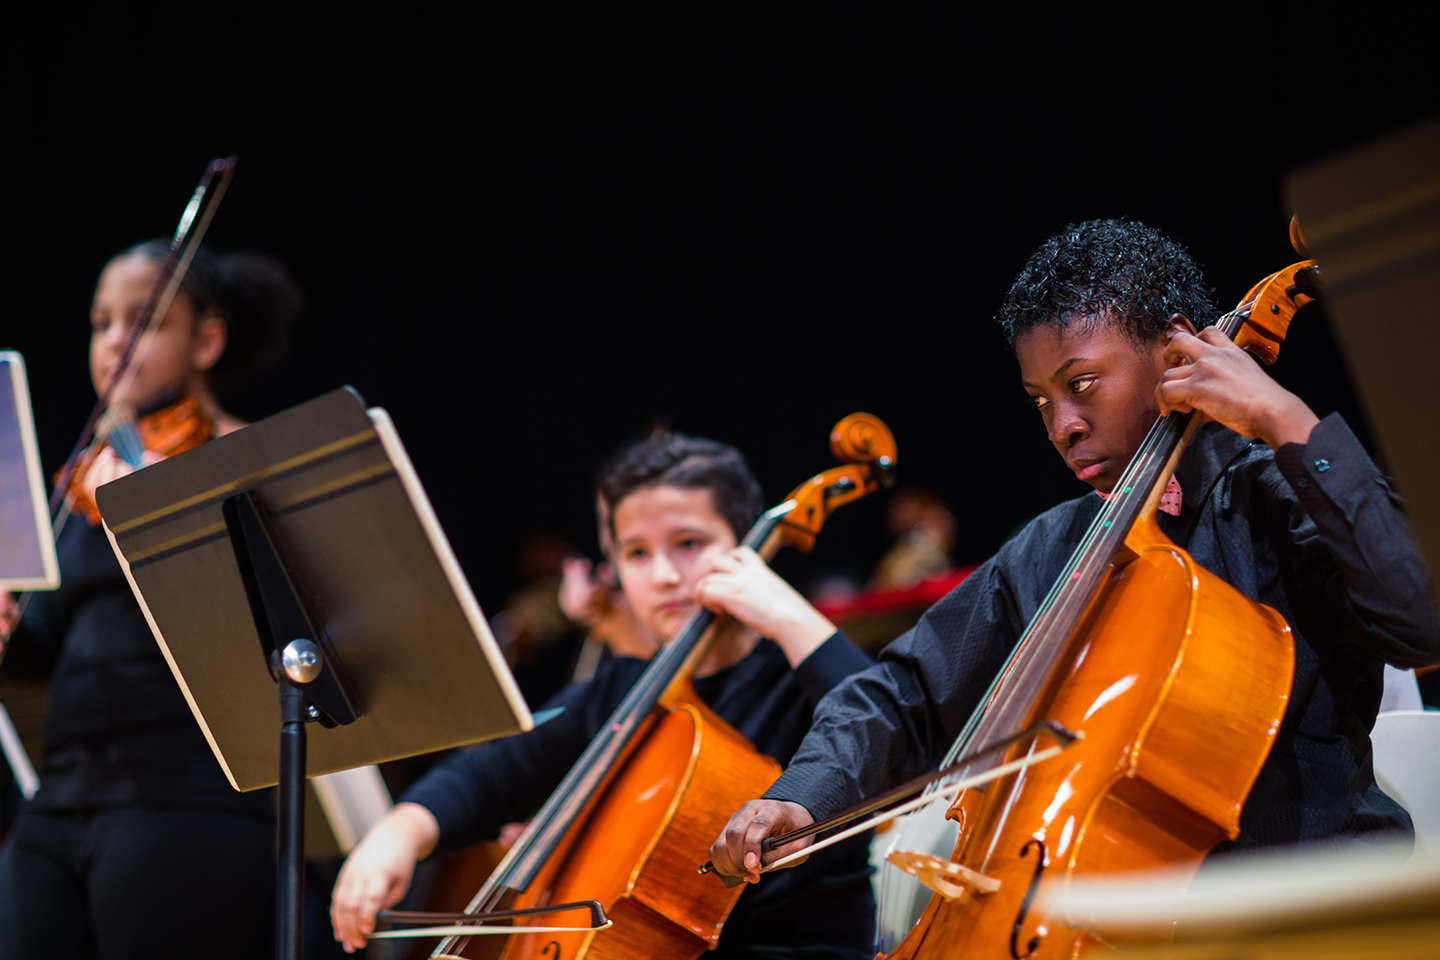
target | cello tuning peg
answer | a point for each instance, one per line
(1307, 283)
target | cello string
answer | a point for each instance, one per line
(1121, 511)
(1026, 647)
(1054, 628)
(1005, 706)
(1090, 559)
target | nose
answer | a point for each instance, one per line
(1067, 426)
(662, 571)
(110, 341)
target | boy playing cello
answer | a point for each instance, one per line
(1286, 507)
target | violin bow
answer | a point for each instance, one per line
(188, 235)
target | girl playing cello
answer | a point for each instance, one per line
(678, 506)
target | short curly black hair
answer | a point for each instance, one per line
(680, 460)
(1119, 270)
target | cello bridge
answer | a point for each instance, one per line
(951, 880)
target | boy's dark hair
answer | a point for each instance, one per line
(1131, 274)
(678, 460)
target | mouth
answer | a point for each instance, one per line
(1088, 469)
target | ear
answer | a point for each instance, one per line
(208, 345)
(1178, 321)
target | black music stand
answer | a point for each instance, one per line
(302, 551)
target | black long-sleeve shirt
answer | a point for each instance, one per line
(1313, 531)
(118, 732)
(823, 908)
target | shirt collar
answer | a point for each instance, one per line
(1211, 450)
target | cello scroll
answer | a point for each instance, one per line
(868, 448)
(1267, 308)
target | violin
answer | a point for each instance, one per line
(174, 428)
(660, 779)
(1042, 784)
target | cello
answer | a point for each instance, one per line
(1173, 734)
(1158, 742)
(662, 775)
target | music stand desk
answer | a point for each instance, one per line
(368, 578)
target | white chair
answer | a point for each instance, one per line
(1407, 767)
(354, 801)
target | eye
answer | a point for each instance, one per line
(691, 543)
(635, 553)
(1039, 403)
(1081, 384)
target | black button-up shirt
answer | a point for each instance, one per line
(1315, 532)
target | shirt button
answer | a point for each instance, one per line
(1322, 465)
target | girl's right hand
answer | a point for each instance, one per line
(107, 466)
(378, 871)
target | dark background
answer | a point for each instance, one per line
(529, 234)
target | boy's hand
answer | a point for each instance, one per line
(1211, 374)
(736, 852)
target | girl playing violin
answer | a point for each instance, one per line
(678, 507)
(135, 844)
(1283, 505)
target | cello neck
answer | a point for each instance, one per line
(1005, 708)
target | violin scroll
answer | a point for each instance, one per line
(867, 444)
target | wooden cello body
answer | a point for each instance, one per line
(660, 780)
(1176, 683)
(634, 853)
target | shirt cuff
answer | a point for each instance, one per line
(828, 664)
(1325, 471)
(815, 787)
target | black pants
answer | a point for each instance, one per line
(114, 884)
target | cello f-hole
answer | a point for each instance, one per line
(545, 951)
(1034, 943)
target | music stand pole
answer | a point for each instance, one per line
(312, 687)
(290, 893)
